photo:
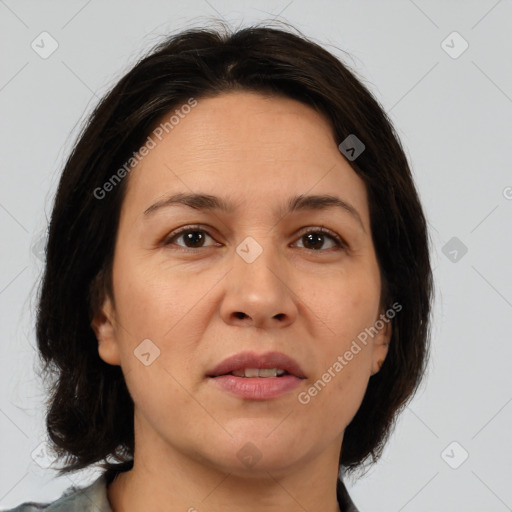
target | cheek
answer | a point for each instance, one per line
(147, 304)
(159, 319)
(350, 310)
(350, 306)
(155, 357)
(339, 387)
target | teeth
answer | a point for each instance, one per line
(255, 372)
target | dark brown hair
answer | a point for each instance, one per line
(89, 410)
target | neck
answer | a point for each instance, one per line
(166, 480)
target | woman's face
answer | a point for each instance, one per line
(256, 278)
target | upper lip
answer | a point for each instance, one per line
(253, 360)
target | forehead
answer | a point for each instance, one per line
(245, 145)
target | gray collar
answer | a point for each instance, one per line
(89, 499)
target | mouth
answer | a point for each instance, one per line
(251, 373)
(257, 377)
(253, 365)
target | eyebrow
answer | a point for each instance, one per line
(209, 202)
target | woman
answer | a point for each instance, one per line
(237, 293)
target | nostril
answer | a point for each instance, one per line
(239, 314)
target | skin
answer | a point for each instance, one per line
(308, 301)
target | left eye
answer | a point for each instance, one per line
(316, 237)
(194, 238)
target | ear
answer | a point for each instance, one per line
(103, 324)
(381, 343)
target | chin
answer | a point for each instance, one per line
(256, 453)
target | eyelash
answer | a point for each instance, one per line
(340, 244)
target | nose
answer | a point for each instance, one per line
(259, 291)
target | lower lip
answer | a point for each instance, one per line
(257, 388)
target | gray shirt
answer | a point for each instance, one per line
(94, 499)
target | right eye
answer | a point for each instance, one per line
(192, 235)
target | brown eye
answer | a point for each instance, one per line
(315, 239)
(192, 237)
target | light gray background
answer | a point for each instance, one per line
(454, 117)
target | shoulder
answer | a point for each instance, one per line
(92, 498)
(28, 506)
